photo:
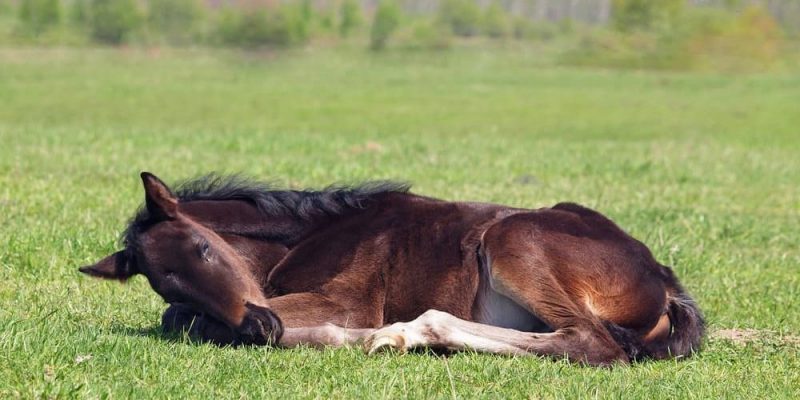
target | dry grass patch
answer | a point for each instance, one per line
(746, 336)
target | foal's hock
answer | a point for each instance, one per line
(242, 263)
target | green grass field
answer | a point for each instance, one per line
(703, 168)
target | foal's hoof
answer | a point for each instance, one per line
(400, 337)
(378, 343)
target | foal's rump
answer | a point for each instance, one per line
(591, 283)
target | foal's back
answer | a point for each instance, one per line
(398, 258)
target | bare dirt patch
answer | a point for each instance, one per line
(745, 336)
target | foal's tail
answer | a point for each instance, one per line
(687, 326)
(685, 334)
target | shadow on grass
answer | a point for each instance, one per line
(155, 332)
(182, 336)
(158, 333)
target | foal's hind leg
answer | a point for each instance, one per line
(577, 333)
(437, 329)
(541, 272)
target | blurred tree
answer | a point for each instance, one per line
(39, 15)
(176, 20)
(427, 34)
(111, 21)
(78, 13)
(496, 22)
(282, 26)
(387, 17)
(631, 15)
(306, 9)
(350, 17)
(297, 21)
(462, 16)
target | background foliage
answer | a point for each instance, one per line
(641, 34)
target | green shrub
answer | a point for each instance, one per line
(496, 22)
(387, 18)
(462, 16)
(79, 12)
(5, 8)
(752, 40)
(327, 21)
(296, 22)
(39, 15)
(302, 16)
(429, 35)
(350, 14)
(284, 26)
(306, 10)
(525, 28)
(227, 26)
(567, 26)
(700, 38)
(112, 21)
(175, 20)
(629, 15)
(250, 29)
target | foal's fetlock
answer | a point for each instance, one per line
(605, 354)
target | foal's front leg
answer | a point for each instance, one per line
(323, 336)
(178, 318)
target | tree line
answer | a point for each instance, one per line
(636, 33)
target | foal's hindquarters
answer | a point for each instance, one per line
(561, 282)
(602, 296)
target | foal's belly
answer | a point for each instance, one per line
(498, 310)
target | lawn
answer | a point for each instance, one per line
(704, 168)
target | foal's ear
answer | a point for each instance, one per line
(159, 200)
(116, 266)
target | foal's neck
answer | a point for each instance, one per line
(264, 239)
(242, 218)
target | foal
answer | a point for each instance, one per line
(241, 263)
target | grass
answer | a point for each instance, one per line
(704, 168)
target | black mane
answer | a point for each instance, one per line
(301, 204)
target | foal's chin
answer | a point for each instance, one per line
(260, 326)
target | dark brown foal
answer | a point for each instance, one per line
(241, 263)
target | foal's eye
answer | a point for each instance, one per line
(204, 251)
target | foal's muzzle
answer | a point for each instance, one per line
(260, 326)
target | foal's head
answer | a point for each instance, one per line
(187, 263)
